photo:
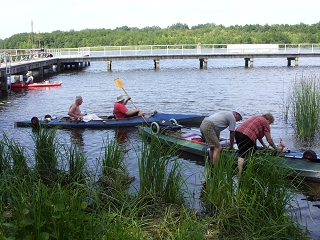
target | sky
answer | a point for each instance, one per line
(20, 16)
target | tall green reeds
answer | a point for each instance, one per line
(257, 206)
(46, 153)
(82, 208)
(76, 161)
(303, 105)
(159, 171)
(12, 158)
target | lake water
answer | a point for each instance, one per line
(179, 86)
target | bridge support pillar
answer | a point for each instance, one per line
(4, 86)
(246, 62)
(41, 72)
(296, 61)
(203, 63)
(108, 65)
(156, 64)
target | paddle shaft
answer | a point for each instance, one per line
(135, 107)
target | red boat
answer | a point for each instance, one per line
(35, 85)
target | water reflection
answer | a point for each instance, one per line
(77, 136)
(122, 136)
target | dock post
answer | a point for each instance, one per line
(156, 64)
(246, 60)
(201, 60)
(41, 72)
(205, 61)
(289, 59)
(108, 65)
(3, 83)
(296, 61)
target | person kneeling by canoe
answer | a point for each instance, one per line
(121, 111)
(74, 110)
(253, 129)
(211, 127)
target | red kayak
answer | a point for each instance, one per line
(35, 85)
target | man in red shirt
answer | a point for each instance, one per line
(121, 111)
(251, 130)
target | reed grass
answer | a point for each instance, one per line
(76, 161)
(303, 105)
(46, 153)
(82, 208)
(12, 158)
(160, 173)
(258, 205)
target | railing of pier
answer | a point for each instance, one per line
(17, 55)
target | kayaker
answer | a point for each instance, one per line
(74, 110)
(251, 130)
(212, 126)
(29, 79)
(121, 111)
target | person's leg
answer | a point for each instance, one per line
(210, 138)
(244, 145)
(216, 155)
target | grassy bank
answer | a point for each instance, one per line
(50, 194)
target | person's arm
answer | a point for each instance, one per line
(127, 100)
(262, 143)
(131, 113)
(271, 143)
(232, 133)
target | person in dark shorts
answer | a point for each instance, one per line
(212, 126)
(251, 130)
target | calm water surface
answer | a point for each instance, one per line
(179, 86)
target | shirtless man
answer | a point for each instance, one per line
(74, 110)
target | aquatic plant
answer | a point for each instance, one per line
(303, 105)
(160, 173)
(259, 204)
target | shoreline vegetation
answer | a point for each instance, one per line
(177, 33)
(51, 194)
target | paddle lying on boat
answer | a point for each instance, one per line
(305, 164)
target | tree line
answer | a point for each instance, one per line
(178, 33)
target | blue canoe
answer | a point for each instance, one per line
(304, 164)
(109, 121)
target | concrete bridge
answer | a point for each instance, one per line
(19, 62)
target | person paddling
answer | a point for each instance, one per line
(121, 111)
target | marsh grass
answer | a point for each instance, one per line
(82, 208)
(76, 161)
(160, 173)
(46, 153)
(12, 158)
(258, 205)
(303, 105)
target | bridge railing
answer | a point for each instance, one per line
(18, 55)
(185, 49)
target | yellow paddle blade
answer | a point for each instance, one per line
(119, 83)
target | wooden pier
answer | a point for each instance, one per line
(63, 59)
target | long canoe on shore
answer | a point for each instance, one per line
(304, 164)
(93, 121)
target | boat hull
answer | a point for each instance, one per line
(35, 85)
(113, 123)
(300, 166)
